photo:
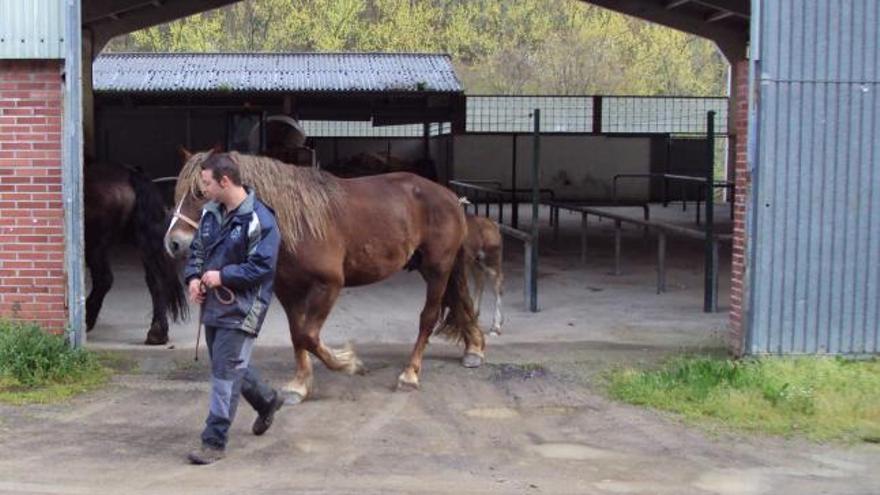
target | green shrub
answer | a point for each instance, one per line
(31, 357)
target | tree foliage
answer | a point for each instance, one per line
(512, 47)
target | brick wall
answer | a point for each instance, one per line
(32, 274)
(743, 184)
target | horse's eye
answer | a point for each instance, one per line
(199, 195)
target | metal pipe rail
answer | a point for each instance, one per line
(530, 270)
(555, 206)
(661, 228)
(683, 179)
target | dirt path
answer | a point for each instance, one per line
(530, 421)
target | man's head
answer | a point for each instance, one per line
(220, 176)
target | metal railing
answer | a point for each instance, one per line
(662, 229)
(683, 179)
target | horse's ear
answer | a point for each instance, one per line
(184, 153)
(218, 148)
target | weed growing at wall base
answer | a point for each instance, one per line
(39, 367)
(821, 398)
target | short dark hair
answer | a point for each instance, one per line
(220, 164)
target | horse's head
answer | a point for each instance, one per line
(188, 200)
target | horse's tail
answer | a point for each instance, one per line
(148, 222)
(460, 323)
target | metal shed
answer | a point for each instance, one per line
(387, 88)
(814, 156)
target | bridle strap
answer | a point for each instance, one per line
(180, 216)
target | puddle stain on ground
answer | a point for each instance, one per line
(509, 371)
(571, 451)
(492, 413)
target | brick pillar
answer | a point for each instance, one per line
(740, 113)
(32, 273)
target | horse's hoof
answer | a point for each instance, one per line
(292, 398)
(472, 360)
(358, 368)
(407, 384)
(495, 331)
(156, 340)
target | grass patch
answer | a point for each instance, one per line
(38, 367)
(820, 398)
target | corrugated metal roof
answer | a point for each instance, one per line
(274, 72)
(32, 30)
(815, 215)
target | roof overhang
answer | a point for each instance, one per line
(726, 22)
(106, 19)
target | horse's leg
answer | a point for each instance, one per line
(102, 280)
(479, 277)
(306, 321)
(436, 280)
(158, 333)
(321, 297)
(294, 307)
(498, 289)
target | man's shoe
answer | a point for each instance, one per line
(264, 420)
(206, 454)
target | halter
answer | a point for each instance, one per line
(180, 216)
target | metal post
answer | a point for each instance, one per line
(426, 141)
(661, 262)
(71, 173)
(698, 204)
(617, 233)
(527, 274)
(514, 213)
(554, 215)
(710, 300)
(684, 203)
(536, 157)
(668, 170)
(584, 238)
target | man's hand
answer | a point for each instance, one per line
(211, 279)
(196, 294)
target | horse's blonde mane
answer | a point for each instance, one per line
(304, 199)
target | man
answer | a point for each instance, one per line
(230, 272)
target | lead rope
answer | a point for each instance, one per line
(227, 299)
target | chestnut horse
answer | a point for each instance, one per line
(339, 233)
(123, 203)
(483, 246)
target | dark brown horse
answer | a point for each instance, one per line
(121, 203)
(347, 232)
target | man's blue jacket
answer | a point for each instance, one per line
(244, 247)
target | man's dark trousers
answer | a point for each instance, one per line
(231, 375)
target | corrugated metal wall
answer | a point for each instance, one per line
(815, 216)
(32, 29)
